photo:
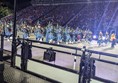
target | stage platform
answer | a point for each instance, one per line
(103, 70)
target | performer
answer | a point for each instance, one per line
(76, 34)
(106, 38)
(58, 36)
(8, 32)
(25, 32)
(50, 37)
(67, 33)
(38, 33)
(100, 38)
(73, 38)
(48, 30)
(84, 38)
(113, 40)
(89, 37)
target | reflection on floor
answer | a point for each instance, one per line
(12, 75)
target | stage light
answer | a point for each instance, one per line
(94, 37)
(103, 38)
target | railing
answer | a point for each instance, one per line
(76, 49)
(74, 52)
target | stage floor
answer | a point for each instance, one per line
(104, 70)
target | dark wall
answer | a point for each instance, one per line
(18, 1)
(20, 4)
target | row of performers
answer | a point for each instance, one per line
(67, 35)
(106, 39)
(58, 35)
(50, 33)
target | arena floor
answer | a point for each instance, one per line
(12, 75)
(104, 70)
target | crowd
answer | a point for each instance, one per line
(32, 13)
(96, 17)
(63, 14)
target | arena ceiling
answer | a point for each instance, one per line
(59, 2)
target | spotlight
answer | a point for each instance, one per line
(103, 38)
(94, 37)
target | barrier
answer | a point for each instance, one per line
(1, 72)
(2, 47)
(53, 72)
(61, 68)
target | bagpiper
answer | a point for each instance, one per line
(113, 40)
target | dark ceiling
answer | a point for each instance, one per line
(10, 3)
(25, 3)
(69, 1)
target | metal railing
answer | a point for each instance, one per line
(75, 54)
